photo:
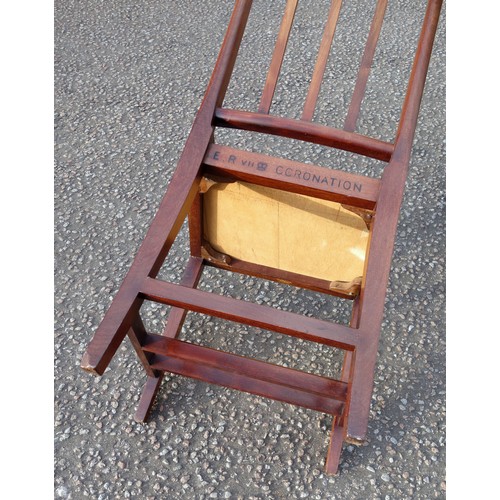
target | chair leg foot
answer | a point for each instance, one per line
(148, 398)
(336, 440)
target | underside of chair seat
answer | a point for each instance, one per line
(286, 231)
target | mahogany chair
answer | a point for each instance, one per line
(223, 190)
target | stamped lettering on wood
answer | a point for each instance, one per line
(290, 170)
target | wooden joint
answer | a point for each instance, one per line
(350, 287)
(209, 253)
(206, 184)
(366, 215)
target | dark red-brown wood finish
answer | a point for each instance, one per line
(347, 399)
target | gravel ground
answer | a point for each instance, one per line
(129, 77)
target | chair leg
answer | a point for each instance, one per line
(335, 447)
(148, 398)
(172, 328)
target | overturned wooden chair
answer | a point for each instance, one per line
(348, 221)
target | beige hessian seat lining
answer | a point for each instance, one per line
(284, 230)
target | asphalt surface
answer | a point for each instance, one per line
(129, 77)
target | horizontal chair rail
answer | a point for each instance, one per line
(279, 275)
(252, 314)
(254, 368)
(293, 176)
(246, 374)
(304, 131)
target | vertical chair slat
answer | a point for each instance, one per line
(278, 55)
(323, 53)
(365, 66)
